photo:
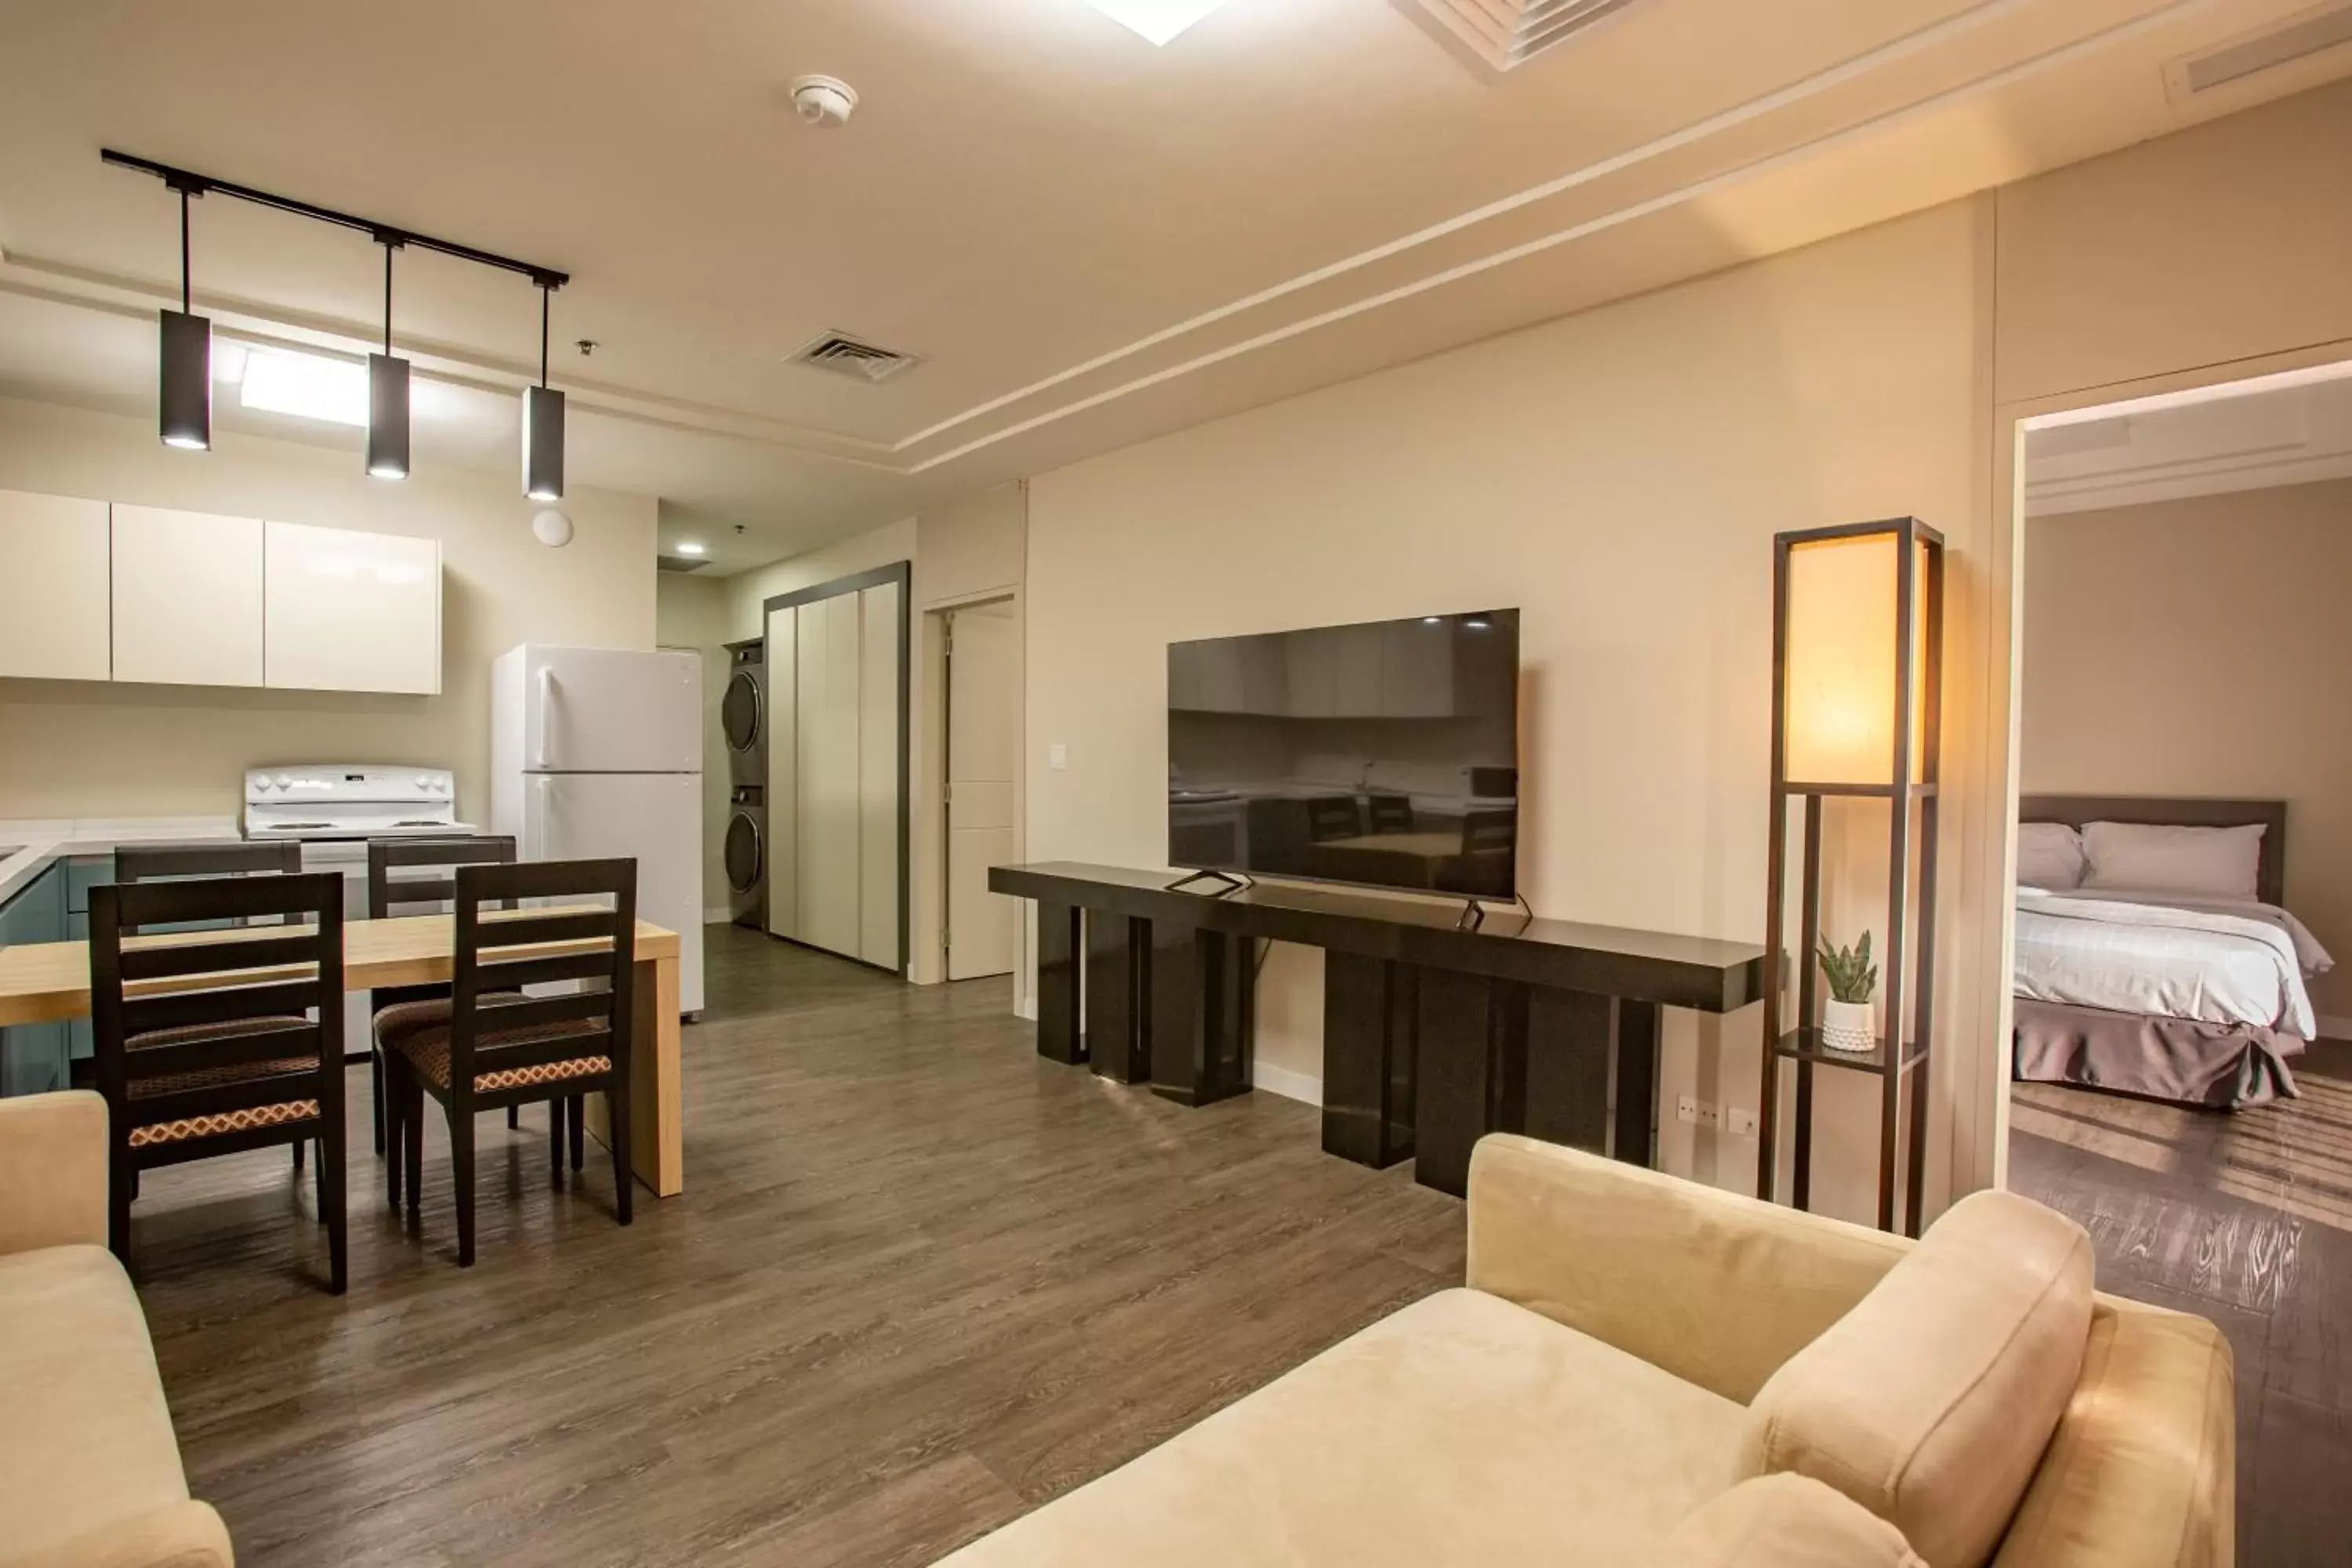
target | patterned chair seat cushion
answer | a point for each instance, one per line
(243, 1120)
(420, 1032)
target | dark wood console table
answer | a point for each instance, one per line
(1432, 1035)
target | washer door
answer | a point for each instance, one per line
(746, 852)
(739, 711)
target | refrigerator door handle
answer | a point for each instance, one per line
(546, 714)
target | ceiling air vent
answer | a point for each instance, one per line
(1503, 34)
(845, 355)
(2300, 36)
(681, 562)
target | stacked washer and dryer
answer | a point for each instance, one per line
(743, 718)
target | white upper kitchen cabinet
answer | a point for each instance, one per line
(350, 611)
(53, 556)
(187, 597)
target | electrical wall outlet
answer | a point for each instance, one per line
(1740, 1121)
(1697, 1112)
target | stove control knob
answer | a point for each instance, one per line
(261, 782)
(423, 782)
(285, 782)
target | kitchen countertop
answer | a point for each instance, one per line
(30, 846)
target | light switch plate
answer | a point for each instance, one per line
(1058, 756)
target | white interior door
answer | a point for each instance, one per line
(828, 814)
(984, 747)
(880, 610)
(782, 789)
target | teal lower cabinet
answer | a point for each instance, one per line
(34, 1057)
(82, 874)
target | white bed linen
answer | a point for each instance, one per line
(2219, 961)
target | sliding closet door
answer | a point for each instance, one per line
(880, 609)
(782, 795)
(829, 806)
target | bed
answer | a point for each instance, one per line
(2193, 994)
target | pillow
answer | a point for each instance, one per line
(2218, 862)
(1785, 1522)
(2050, 854)
(1929, 1404)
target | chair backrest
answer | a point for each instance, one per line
(205, 857)
(388, 894)
(1332, 817)
(1488, 832)
(170, 1014)
(560, 941)
(1392, 814)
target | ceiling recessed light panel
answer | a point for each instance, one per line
(1158, 20)
(308, 386)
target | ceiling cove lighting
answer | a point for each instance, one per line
(387, 421)
(184, 397)
(308, 386)
(293, 383)
(542, 427)
(1157, 20)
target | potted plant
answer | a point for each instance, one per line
(1846, 1023)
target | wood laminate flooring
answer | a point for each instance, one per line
(2246, 1220)
(920, 1282)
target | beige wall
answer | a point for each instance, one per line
(89, 749)
(1617, 475)
(2199, 647)
(691, 612)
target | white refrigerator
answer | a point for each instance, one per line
(597, 753)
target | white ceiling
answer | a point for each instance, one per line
(1088, 240)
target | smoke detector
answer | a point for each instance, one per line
(824, 101)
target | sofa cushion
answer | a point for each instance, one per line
(1786, 1521)
(1462, 1429)
(1930, 1402)
(86, 1440)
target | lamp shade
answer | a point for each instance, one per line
(185, 394)
(387, 441)
(1843, 653)
(542, 444)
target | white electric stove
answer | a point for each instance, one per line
(332, 809)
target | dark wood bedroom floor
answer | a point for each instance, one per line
(920, 1282)
(2246, 1220)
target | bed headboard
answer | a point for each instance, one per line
(2176, 811)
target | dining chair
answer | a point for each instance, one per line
(422, 886)
(216, 1041)
(1331, 816)
(1391, 812)
(488, 1045)
(209, 857)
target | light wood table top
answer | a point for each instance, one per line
(45, 981)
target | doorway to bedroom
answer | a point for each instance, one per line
(2182, 1055)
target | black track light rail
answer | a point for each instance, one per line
(188, 183)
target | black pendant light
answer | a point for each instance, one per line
(186, 399)
(542, 425)
(387, 442)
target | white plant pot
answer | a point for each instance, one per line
(1849, 1027)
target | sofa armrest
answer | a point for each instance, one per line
(182, 1535)
(52, 1171)
(1716, 1287)
(2144, 1465)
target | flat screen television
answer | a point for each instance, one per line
(1385, 753)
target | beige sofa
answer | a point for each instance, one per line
(1645, 1370)
(90, 1472)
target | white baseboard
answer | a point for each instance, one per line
(2336, 1028)
(718, 917)
(1026, 1007)
(1284, 1082)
